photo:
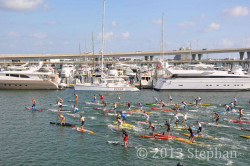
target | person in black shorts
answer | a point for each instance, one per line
(168, 128)
(191, 137)
(217, 117)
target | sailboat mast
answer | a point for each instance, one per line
(103, 32)
(162, 37)
(93, 45)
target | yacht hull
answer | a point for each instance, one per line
(79, 87)
(28, 84)
(228, 84)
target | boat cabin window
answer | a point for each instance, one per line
(14, 75)
(24, 76)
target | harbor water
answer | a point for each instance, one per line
(28, 138)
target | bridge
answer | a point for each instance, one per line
(146, 54)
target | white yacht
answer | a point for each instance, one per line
(29, 79)
(204, 77)
(107, 84)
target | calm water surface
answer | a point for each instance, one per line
(27, 138)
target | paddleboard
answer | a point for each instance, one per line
(152, 104)
(245, 136)
(56, 105)
(141, 111)
(140, 122)
(200, 104)
(122, 144)
(126, 124)
(189, 142)
(93, 103)
(182, 128)
(77, 115)
(162, 109)
(64, 124)
(157, 137)
(101, 109)
(198, 137)
(245, 129)
(115, 127)
(161, 135)
(236, 121)
(110, 114)
(33, 109)
(55, 110)
(84, 130)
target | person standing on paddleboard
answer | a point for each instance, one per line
(141, 106)
(217, 117)
(151, 125)
(177, 119)
(94, 99)
(119, 123)
(33, 103)
(104, 106)
(184, 105)
(191, 137)
(62, 119)
(125, 135)
(75, 110)
(168, 128)
(115, 106)
(163, 104)
(199, 129)
(156, 100)
(241, 114)
(235, 101)
(101, 98)
(184, 119)
(232, 106)
(76, 97)
(123, 117)
(129, 106)
(146, 116)
(82, 121)
(170, 99)
(60, 103)
(119, 98)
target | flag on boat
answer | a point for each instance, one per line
(158, 66)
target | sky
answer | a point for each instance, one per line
(60, 26)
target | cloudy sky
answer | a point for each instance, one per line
(58, 26)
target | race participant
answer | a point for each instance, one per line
(241, 114)
(76, 96)
(185, 105)
(217, 117)
(191, 137)
(60, 103)
(168, 128)
(177, 119)
(184, 119)
(235, 101)
(146, 116)
(115, 106)
(75, 110)
(141, 106)
(163, 104)
(129, 109)
(94, 99)
(101, 98)
(33, 103)
(62, 119)
(199, 129)
(125, 135)
(156, 100)
(170, 99)
(151, 125)
(123, 117)
(82, 122)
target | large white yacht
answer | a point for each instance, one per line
(204, 77)
(29, 78)
(107, 84)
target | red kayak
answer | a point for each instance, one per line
(161, 109)
(236, 121)
(161, 135)
(157, 137)
(245, 129)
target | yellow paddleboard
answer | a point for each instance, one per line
(189, 142)
(125, 125)
(141, 111)
(198, 137)
(244, 136)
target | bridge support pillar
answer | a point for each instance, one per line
(199, 56)
(193, 56)
(151, 58)
(241, 55)
(146, 58)
(248, 55)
